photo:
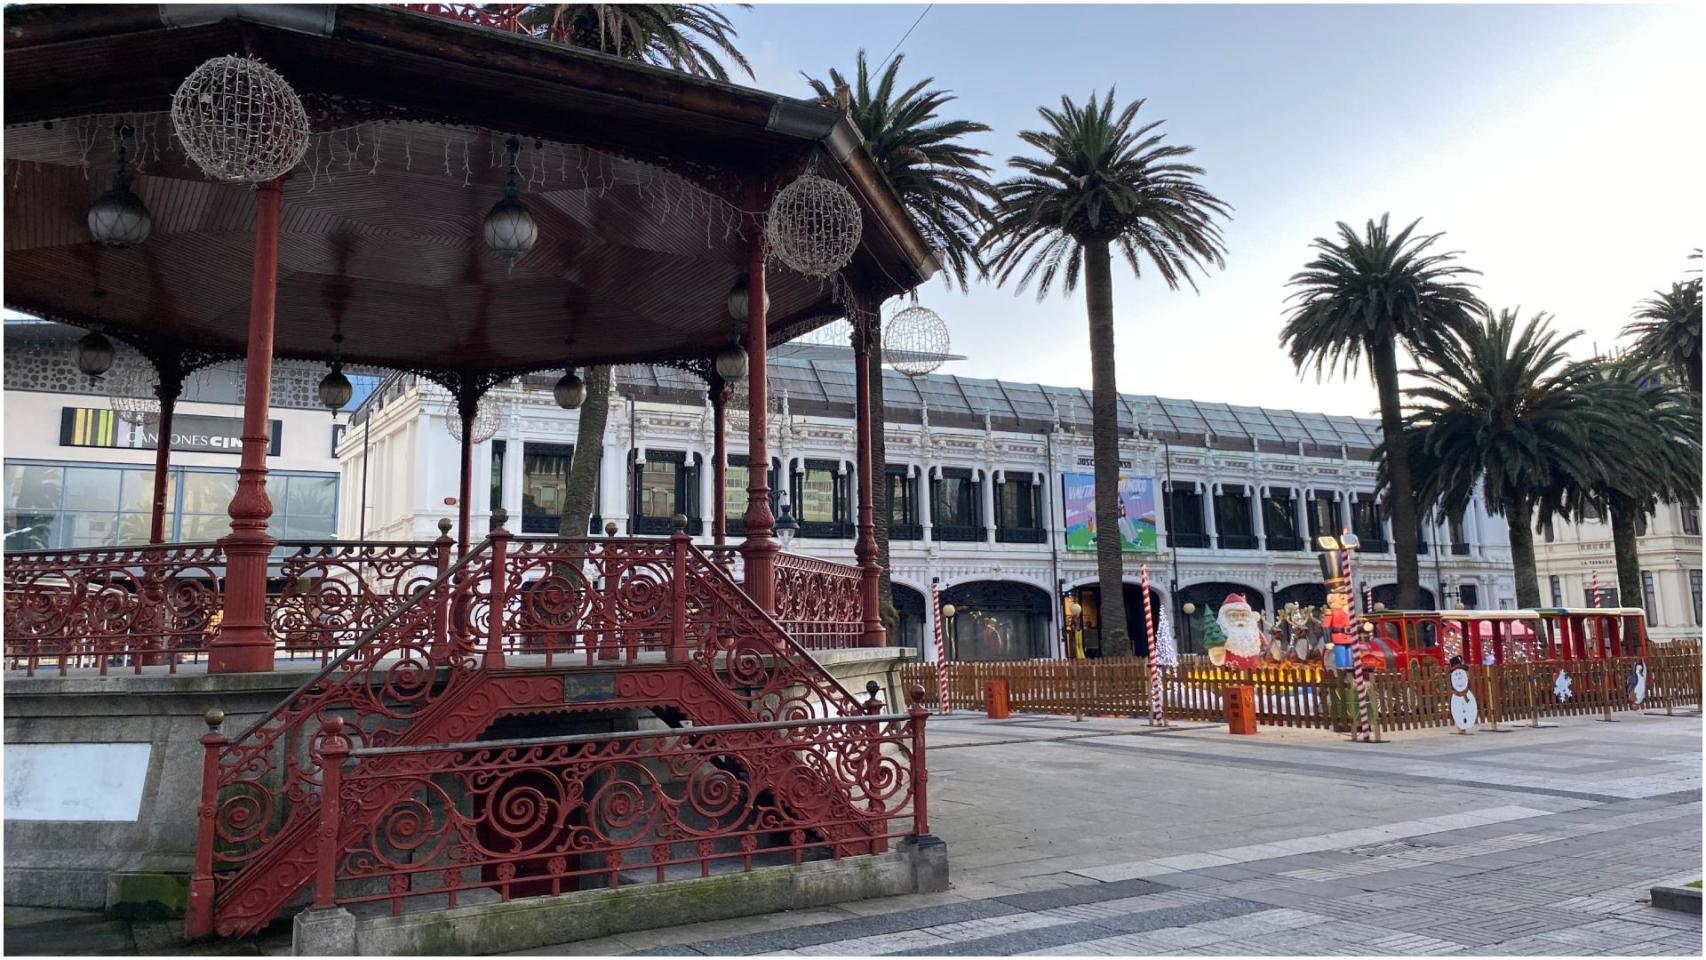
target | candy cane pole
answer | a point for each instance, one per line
(1157, 716)
(1359, 651)
(1594, 576)
(941, 658)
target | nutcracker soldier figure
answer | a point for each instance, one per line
(1339, 620)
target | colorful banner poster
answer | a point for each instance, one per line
(1137, 524)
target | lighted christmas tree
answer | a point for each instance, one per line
(1166, 646)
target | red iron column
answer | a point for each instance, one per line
(759, 550)
(242, 645)
(866, 547)
(170, 386)
(720, 463)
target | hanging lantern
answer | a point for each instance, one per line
(118, 218)
(739, 300)
(240, 121)
(814, 226)
(731, 363)
(570, 391)
(335, 389)
(94, 354)
(510, 228)
(915, 341)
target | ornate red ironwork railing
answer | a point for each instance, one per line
(430, 671)
(160, 605)
(818, 601)
(545, 816)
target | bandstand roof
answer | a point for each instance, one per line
(641, 180)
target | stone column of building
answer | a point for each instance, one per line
(989, 481)
(759, 548)
(1208, 511)
(1299, 518)
(242, 645)
(1259, 504)
(921, 491)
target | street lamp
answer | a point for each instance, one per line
(948, 612)
(1190, 610)
(786, 526)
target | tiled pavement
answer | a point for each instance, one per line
(1109, 838)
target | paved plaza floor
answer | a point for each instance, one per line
(1112, 837)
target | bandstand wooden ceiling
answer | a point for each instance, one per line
(637, 177)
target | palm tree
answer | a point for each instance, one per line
(943, 183)
(1653, 457)
(1100, 181)
(1667, 330)
(694, 38)
(691, 37)
(1360, 298)
(1508, 411)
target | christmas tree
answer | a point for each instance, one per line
(1166, 647)
(1212, 635)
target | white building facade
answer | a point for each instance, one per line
(1571, 557)
(987, 484)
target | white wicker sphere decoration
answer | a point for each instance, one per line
(239, 120)
(915, 341)
(737, 404)
(489, 417)
(814, 226)
(130, 392)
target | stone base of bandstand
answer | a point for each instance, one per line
(103, 774)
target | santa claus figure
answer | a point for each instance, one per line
(1243, 631)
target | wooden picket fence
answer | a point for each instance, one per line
(1309, 697)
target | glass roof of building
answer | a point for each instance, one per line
(826, 386)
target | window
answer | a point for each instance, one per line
(1459, 542)
(734, 493)
(954, 507)
(1557, 586)
(1279, 519)
(903, 505)
(1694, 588)
(1323, 516)
(1470, 596)
(819, 499)
(497, 493)
(1590, 512)
(1607, 597)
(662, 487)
(1232, 519)
(1018, 508)
(1691, 519)
(1365, 523)
(1185, 526)
(71, 506)
(1649, 597)
(544, 485)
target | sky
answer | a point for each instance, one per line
(1558, 147)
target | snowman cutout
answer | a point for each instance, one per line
(1638, 684)
(1464, 711)
(1561, 687)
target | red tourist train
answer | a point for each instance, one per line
(1498, 636)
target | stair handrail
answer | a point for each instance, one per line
(373, 632)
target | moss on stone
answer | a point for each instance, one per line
(148, 896)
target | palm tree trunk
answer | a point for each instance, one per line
(1519, 518)
(1624, 513)
(1105, 435)
(589, 455)
(1694, 374)
(1400, 496)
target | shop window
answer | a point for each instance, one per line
(998, 620)
(819, 499)
(954, 507)
(1185, 523)
(903, 505)
(1649, 597)
(1018, 508)
(1470, 596)
(544, 485)
(1557, 586)
(662, 487)
(1607, 597)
